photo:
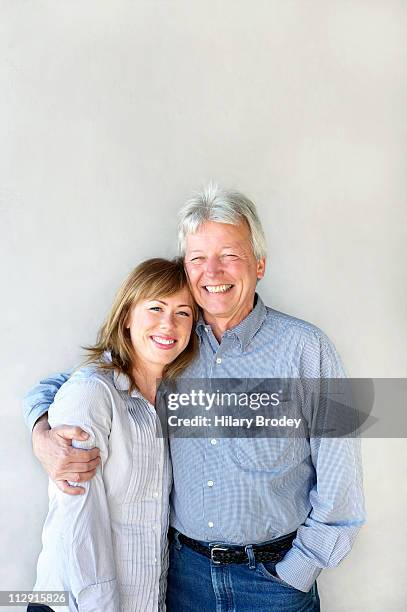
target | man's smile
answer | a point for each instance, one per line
(217, 288)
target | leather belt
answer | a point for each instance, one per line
(224, 554)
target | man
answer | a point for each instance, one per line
(252, 526)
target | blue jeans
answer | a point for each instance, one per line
(195, 584)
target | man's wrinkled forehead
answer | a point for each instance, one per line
(213, 235)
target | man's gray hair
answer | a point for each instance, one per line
(222, 206)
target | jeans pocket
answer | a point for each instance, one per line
(267, 570)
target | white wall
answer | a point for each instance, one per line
(112, 112)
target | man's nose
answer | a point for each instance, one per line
(213, 265)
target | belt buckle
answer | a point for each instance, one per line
(216, 548)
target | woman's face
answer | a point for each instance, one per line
(160, 328)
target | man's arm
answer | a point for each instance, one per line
(39, 398)
(337, 514)
(336, 499)
(53, 447)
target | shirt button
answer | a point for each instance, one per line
(210, 524)
(155, 559)
(155, 494)
(213, 442)
(210, 483)
(218, 360)
(207, 329)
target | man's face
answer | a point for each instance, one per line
(223, 270)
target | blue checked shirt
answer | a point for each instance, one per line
(245, 491)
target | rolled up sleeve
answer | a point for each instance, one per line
(39, 398)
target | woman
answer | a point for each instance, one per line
(108, 547)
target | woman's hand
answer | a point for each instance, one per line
(62, 462)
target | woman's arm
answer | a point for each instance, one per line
(53, 448)
(86, 401)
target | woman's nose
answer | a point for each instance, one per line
(167, 321)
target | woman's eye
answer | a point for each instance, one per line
(155, 308)
(183, 313)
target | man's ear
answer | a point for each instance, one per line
(261, 268)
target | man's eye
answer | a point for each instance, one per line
(229, 255)
(197, 259)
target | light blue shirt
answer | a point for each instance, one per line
(240, 491)
(108, 547)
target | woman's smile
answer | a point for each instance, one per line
(164, 342)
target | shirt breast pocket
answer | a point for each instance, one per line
(272, 447)
(265, 454)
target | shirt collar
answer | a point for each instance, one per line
(122, 383)
(121, 380)
(246, 329)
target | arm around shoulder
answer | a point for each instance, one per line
(38, 399)
(53, 447)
